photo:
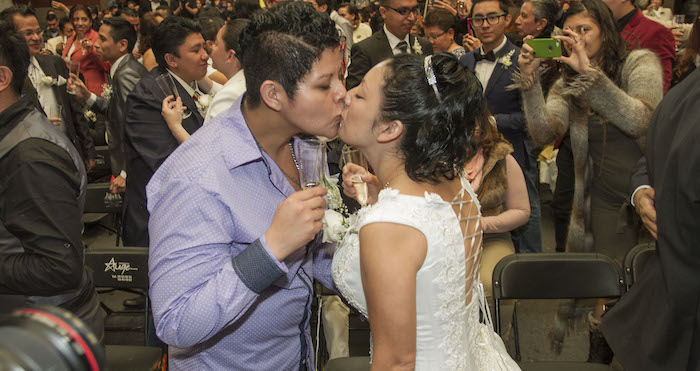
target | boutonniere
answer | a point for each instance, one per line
(91, 116)
(505, 60)
(203, 101)
(106, 91)
(416, 47)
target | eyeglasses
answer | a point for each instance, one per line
(405, 11)
(433, 38)
(491, 18)
(29, 33)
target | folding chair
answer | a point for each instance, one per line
(96, 208)
(555, 276)
(635, 261)
(102, 162)
(126, 268)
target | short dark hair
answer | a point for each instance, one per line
(80, 7)
(232, 34)
(505, 5)
(246, 8)
(438, 138)
(169, 35)
(441, 18)
(121, 29)
(128, 12)
(352, 9)
(18, 10)
(63, 22)
(51, 17)
(209, 12)
(210, 27)
(14, 54)
(166, 8)
(327, 3)
(289, 38)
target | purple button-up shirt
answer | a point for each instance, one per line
(220, 299)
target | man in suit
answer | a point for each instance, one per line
(494, 64)
(641, 32)
(178, 46)
(656, 326)
(394, 38)
(116, 42)
(46, 85)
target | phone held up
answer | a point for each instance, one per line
(545, 48)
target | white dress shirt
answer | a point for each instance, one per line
(394, 42)
(47, 98)
(223, 100)
(484, 69)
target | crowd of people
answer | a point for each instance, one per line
(205, 107)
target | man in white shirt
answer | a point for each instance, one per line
(395, 38)
(65, 31)
(225, 60)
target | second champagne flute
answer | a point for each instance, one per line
(74, 68)
(354, 156)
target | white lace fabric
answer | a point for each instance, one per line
(449, 335)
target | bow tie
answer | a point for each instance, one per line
(490, 56)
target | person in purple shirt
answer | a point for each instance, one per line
(235, 242)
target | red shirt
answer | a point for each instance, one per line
(641, 32)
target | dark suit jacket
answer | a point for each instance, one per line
(505, 105)
(372, 50)
(77, 126)
(147, 143)
(127, 75)
(656, 326)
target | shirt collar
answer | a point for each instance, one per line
(188, 88)
(238, 77)
(35, 63)
(622, 22)
(393, 40)
(114, 67)
(498, 48)
(12, 115)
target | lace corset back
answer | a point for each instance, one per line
(469, 215)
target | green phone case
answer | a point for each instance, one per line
(545, 48)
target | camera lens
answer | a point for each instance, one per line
(48, 338)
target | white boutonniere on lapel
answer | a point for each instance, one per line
(505, 60)
(416, 46)
(50, 81)
(202, 101)
(106, 91)
(91, 116)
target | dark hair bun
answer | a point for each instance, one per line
(438, 135)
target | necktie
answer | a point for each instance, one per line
(490, 56)
(402, 46)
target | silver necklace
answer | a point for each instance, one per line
(296, 164)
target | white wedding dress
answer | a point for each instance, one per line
(449, 335)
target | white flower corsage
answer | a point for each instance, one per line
(505, 60)
(416, 47)
(91, 116)
(106, 91)
(203, 102)
(336, 223)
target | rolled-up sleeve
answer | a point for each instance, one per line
(199, 283)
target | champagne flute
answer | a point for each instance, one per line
(74, 68)
(167, 86)
(354, 156)
(311, 157)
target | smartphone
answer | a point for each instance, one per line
(545, 48)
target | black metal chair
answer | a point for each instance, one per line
(126, 268)
(635, 261)
(97, 208)
(555, 276)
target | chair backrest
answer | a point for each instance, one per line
(95, 200)
(636, 259)
(119, 267)
(103, 159)
(557, 276)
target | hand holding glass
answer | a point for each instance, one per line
(74, 68)
(354, 156)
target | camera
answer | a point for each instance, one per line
(48, 338)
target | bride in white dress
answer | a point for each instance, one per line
(410, 260)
